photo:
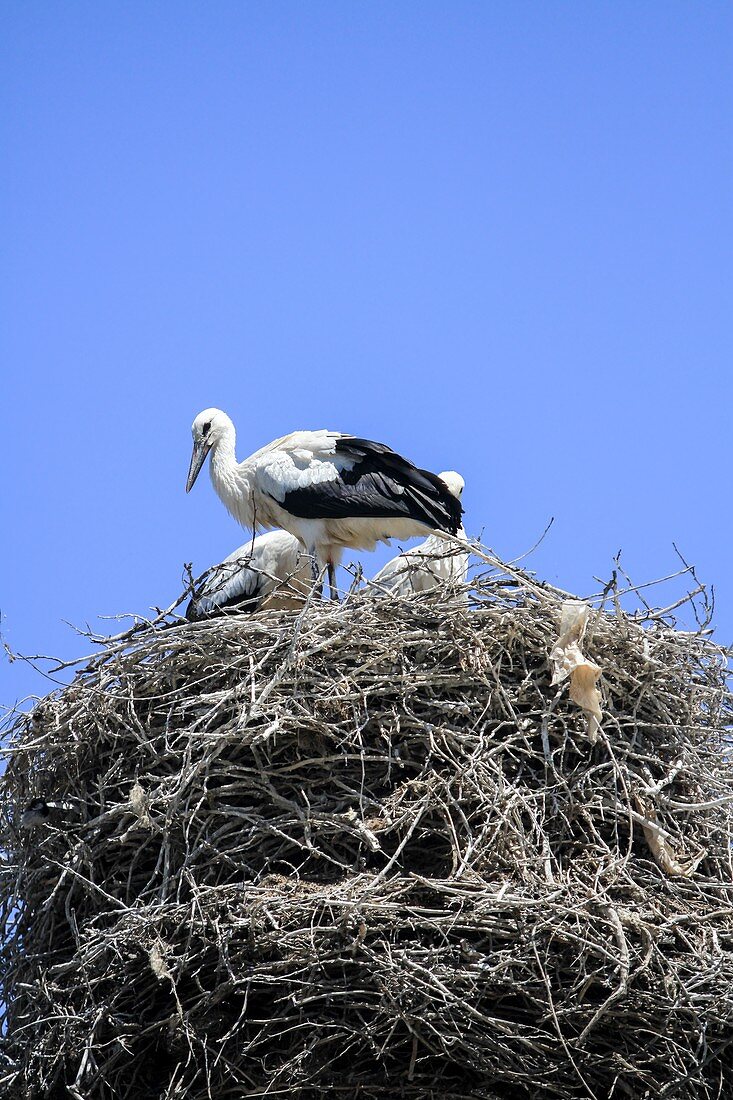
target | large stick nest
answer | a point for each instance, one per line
(368, 850)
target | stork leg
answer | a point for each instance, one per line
(332, 581)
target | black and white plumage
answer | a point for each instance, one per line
(271, 572)
(328, 489)
(40, 812)
(432, 562)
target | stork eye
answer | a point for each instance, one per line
(205, 429)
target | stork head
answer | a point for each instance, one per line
(208, 428)
(453, 482)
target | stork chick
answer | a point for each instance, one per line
(269, 573)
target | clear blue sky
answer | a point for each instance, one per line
(494, 235)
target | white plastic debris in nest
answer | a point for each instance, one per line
(567, 659)
(669, 856)
(140, 804)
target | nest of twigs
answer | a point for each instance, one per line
(369, 851)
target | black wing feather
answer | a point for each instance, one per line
(380, 485)
(225, 590)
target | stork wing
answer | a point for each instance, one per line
(360, 479)
(234, 583)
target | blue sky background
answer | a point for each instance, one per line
(494, 235)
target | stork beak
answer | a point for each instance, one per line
(200, 451)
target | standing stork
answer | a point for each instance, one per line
(328, 489)
(422, 568)
(269, 573)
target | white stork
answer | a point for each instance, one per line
(425, 566)
(271, 572)
(328, 489)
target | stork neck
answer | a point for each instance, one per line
(230, 480)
